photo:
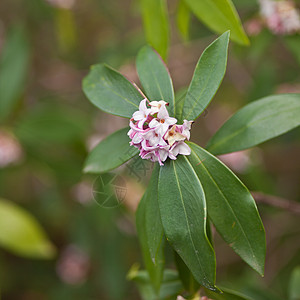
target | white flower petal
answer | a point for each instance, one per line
(181, 148)
(163, 154)
(153, 123)
(137, 138)
(138, 115)
(171, 121)
(163, 112)
(143, 106)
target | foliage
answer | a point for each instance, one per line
(22, 234)
(186, 191)
(13, 65)
(219, 16)
(47, 129)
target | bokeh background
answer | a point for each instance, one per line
(46, 48)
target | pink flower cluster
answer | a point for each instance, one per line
(281, 17)
(156, 134)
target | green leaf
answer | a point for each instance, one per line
(110, 153)
(170, 288)
(207, 78)
(226, 295)
(219, 16)
(150, 232)
(21, 234)
(183, 214)
(294, 284)
(185, 275)
(231, 208)
(111, 92)
(154, 229)
(156, 26)
(256, 123)
(13, 70)
(155, 77)
(183, 16)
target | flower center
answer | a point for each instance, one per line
(162, 121)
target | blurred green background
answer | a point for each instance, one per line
(47, 127)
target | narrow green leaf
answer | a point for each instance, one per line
(155, 77)
(179, 101)
(111, 92)
(183, 17)
(156, 25)
(226, 295)
(183, 213)
(256, 123)
(231, 208)
(13, 69)
(151, 244)
(219, 16)
(154, 229)
(207, 78)
(185, 275)
(21, 234)
(209, 232)
(110, 153)
(294, 284)
(170, 288)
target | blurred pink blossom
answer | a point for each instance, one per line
(253, 26)
(82, 192)
(286, 88)
(73, 265)
(10, 149)
(281, 17)
(65, 4)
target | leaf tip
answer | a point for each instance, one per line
(87, 168)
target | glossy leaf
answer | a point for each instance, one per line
(256, 123)
(231, 208)
(219, 16)
(183, 17)
(171, 285)
(21, 234)
(156, 25)
(185, 275)
(154, 229)
(155, 77)
(13, 69)
(111, 92)
(151, 244)
(183, 214)
(207, 78)
(226, 295)
(110, 153)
